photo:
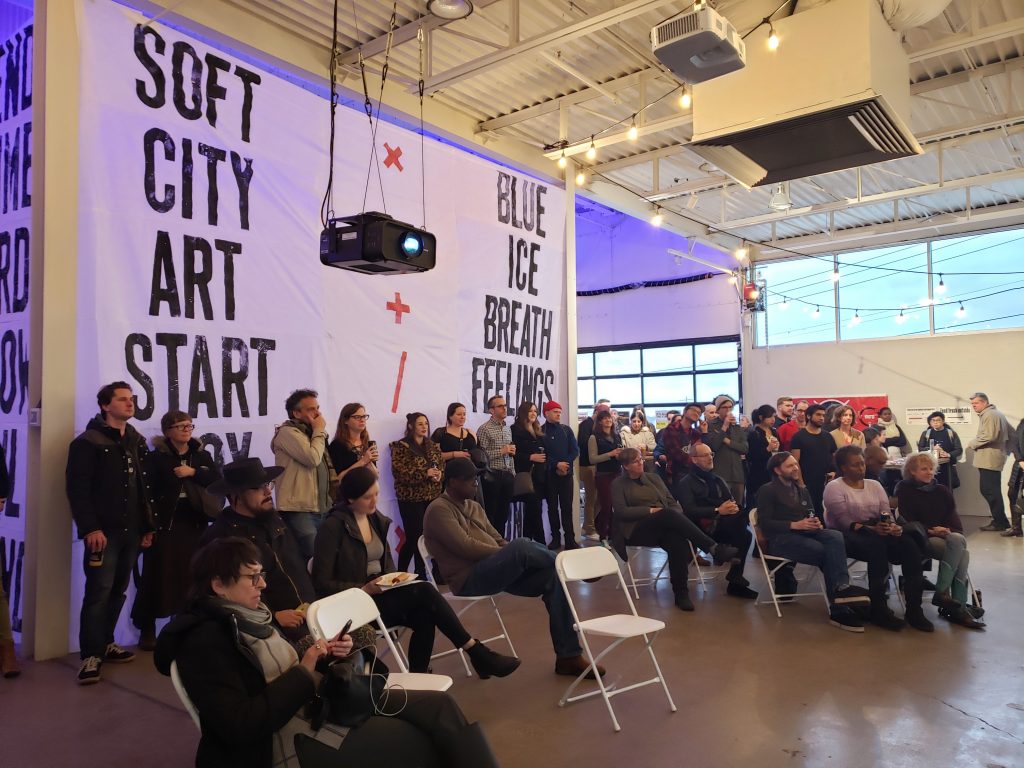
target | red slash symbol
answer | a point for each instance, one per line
(392, 158)
(398, 308)
(398, 382)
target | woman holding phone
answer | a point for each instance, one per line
(352, 446)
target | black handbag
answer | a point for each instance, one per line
(346, 697)
(522, 485)
(478, 456)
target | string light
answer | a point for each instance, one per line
(817, 312)
(961, 312)
(592, 152)
(835, 274)
(900, 319)
(741, 252)
(685, 99)
(773, 39)
(732, 279)
(633, 131)
(581, 179)
(785, 304)
(657, 218)
(855, 320)
(941, 287)
(562, 162)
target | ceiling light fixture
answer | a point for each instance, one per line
(741, 252)
(961, 312)
(773, 39)
(900, 318)
(855, 320)
(562, 162)
(685, 99)
(657, 218)
(780, 200)
(592, 152)
(581, 179)
(633, 132)
(941, 287)
(450, 9)
(817, 313)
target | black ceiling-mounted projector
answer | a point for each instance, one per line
(376, 244)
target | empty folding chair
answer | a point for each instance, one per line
(328, 616)
(589, 563)
(773, 563)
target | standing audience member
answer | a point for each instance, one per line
(9, 665)
(179, 471)
(843, 432)
(108, 488)
(416, 468)
(454, 439)
(925, 502)
(859, 509)
(893, 439)
(304, 492)
(990, 447)
(562, 450)
(495, 437)
(249, 488)
(786, 518)
(352, 446)
(604, 448)
(762, 442)
(638, 434)
(647, 515)
(708, 502)
(352, 551)
(587, 478)
(941, 435)
(728, 441)
(1016, 484)
(476, 560)
(528, 438)
(660, 459)
(794, 425)
(813, 447)
(678, 441)
(784, 406)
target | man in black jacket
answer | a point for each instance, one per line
(249, 488)
(110, 500)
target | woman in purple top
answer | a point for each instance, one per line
(859, 509)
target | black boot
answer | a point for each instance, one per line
(487, 663)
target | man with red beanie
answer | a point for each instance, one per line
(562, 450)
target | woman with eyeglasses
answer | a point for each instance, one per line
(179, 470)
(252, 686)
(352, 446)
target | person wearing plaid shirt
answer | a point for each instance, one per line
(495, 437)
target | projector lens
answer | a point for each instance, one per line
(411, 245)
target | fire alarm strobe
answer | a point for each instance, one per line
(376, 244)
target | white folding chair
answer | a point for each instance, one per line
(709, 572)
(589, 563)
(327, 617)
(179, 689)
(781, 562)
(643, 581)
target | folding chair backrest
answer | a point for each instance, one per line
(327, 617)
(179, 688)
(428, 561)
(762, 542)
(586, 563)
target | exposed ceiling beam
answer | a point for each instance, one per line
(955, 43)
(585, 79)
(640, 157)
(967, 76)
(608, 139)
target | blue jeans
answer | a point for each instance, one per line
(105, 587)
(527, 569)
(824, 549)
(304, 527)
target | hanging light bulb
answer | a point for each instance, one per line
(657, 218)
(835, 274)
(633, 132)
(961, 312)
(900, 318)
(741, 252)
(785, 304)
(581, 179)
(685, 99)
(732, 279)
(941, 287)
(855, 320)
(773, 39)
(592, 152)
(817, 313)
(562, 162)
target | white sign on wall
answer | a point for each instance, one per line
(955, 414)
(199, 275)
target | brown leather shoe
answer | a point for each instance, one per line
(574, 665)
(9, 665)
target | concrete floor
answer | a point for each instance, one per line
(752, 690)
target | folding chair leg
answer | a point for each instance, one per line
(696, 563)
(632, 578)
(504, 631)
(661, 677)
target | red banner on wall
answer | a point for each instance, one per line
(865, 406)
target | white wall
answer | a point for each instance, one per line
(913, 372)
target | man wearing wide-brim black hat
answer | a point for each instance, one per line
(250, 513)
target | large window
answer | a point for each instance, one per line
(659, 376)
(910, 289)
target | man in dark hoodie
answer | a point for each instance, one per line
(250, 514)
(109, 494)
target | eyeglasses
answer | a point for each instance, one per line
(268, 486)
(363, 417)
(703, 455)
(183, 427)
(256, 578)
(500, 405)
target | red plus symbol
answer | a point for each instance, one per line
(393, 155)
(398, 308)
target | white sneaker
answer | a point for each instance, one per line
(591, 536)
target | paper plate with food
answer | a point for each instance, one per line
(396, 579)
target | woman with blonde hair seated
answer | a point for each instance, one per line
(922, 500)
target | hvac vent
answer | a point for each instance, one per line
(698, 45)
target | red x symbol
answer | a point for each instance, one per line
(398, 307)
(393, 155)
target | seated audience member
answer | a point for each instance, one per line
(604, 448)
(794, 425)
(252, 685)
(893, 439)
(352, 551)
(859, 509)
(949, 445)
(528, 438)
(786, 518)
(728, 441)
(475, 560)
(843, 432)
(638, 434)
(875, 459)
(924, 501)
(250, 514)
(646, 515)
(706, 500)
(179, 471)
(561, 450)
(762, 442)
(416, 468)
(352, 446)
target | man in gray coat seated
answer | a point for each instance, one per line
(645, 514)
